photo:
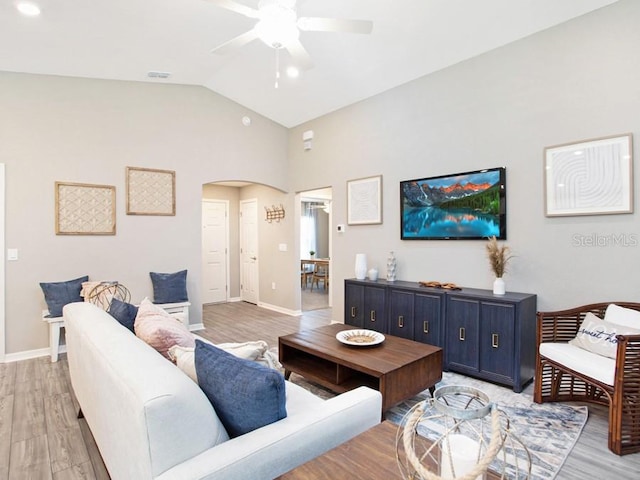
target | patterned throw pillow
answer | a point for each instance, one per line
(598, 336)
(245, 394)
(159, 329)
(169, 287)
(58, 294)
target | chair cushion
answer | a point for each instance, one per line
(587, 363)
(169, 287)
(58, 294)
(626, 317)
(124, 312)
(244, 394)
(159, 329)
(599, 336)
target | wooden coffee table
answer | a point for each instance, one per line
(397, 368)
(370, 455)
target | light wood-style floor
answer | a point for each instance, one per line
(41, 437)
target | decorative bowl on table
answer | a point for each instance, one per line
(360, 337)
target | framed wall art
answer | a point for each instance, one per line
(364, 201)
(85, 209)
(151, 192)
(592, 177)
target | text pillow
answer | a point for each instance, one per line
(159, 329)
(169, 287)
(599, 336)
(244, 394)
(58, 294)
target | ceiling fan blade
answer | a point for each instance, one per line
(236, 7)
(318, 24)
(300, 56)
(235, 43)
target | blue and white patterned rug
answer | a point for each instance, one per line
(548, 430)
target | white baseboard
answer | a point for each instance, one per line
(235, 299)
(194, 327)
(29, 354)
(275, 308)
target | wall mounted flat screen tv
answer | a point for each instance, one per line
(461, 206)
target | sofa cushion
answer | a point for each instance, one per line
(169, 287)
(159, 329)
(245, 394)
(58, 294)
(626, 317)
(599, 336)
(582, 361)
(124, 312)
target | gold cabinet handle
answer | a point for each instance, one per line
(425, 326)
(461, 334)
(354, 312)
(372, 315)
(494, 340)
(400, 321)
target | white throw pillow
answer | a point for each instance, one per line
(626, 317)
(256, 351)
(599, 336)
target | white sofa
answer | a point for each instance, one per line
(150, 420)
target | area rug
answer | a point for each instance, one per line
(548, 430)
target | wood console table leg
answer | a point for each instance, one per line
(287, 374)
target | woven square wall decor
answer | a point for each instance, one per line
(85, 209)
(151, 192)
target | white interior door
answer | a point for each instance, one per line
(249, 276)
(215, 241)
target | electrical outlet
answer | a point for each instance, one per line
(273, 285)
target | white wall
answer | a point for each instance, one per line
(79, 130)
(573, 82)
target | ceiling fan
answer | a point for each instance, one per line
(279, 26)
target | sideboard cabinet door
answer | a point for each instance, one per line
(375, 311)
(401, 313)
(427, 318)
(354, 304)
(497, 340)
(462, 332)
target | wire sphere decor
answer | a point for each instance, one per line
(459, 434)
(103, 294)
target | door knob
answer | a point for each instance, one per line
(253, 258)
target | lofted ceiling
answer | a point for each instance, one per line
(126, 39)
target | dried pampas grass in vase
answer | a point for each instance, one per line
(499, 257)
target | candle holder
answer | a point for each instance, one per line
(470, 438)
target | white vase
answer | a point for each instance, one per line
(373, 274)
(498, 286)
(361, 266)
(391, 268)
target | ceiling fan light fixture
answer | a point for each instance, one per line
(277, 25)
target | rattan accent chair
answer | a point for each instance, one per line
(557, 383)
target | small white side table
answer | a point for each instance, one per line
(179, 310)
(55, 324)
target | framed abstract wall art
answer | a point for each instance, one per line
(591, 177)
(364, 201)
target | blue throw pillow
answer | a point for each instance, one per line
(245, 394)
(124, 312)
(58, 294)
(169, 287)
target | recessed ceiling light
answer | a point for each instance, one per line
(28, 9)
(293, 72)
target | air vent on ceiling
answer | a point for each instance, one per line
(158, 74)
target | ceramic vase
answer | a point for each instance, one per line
(391, 268)
(498, 286)
(373, 274)
(361, 266)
